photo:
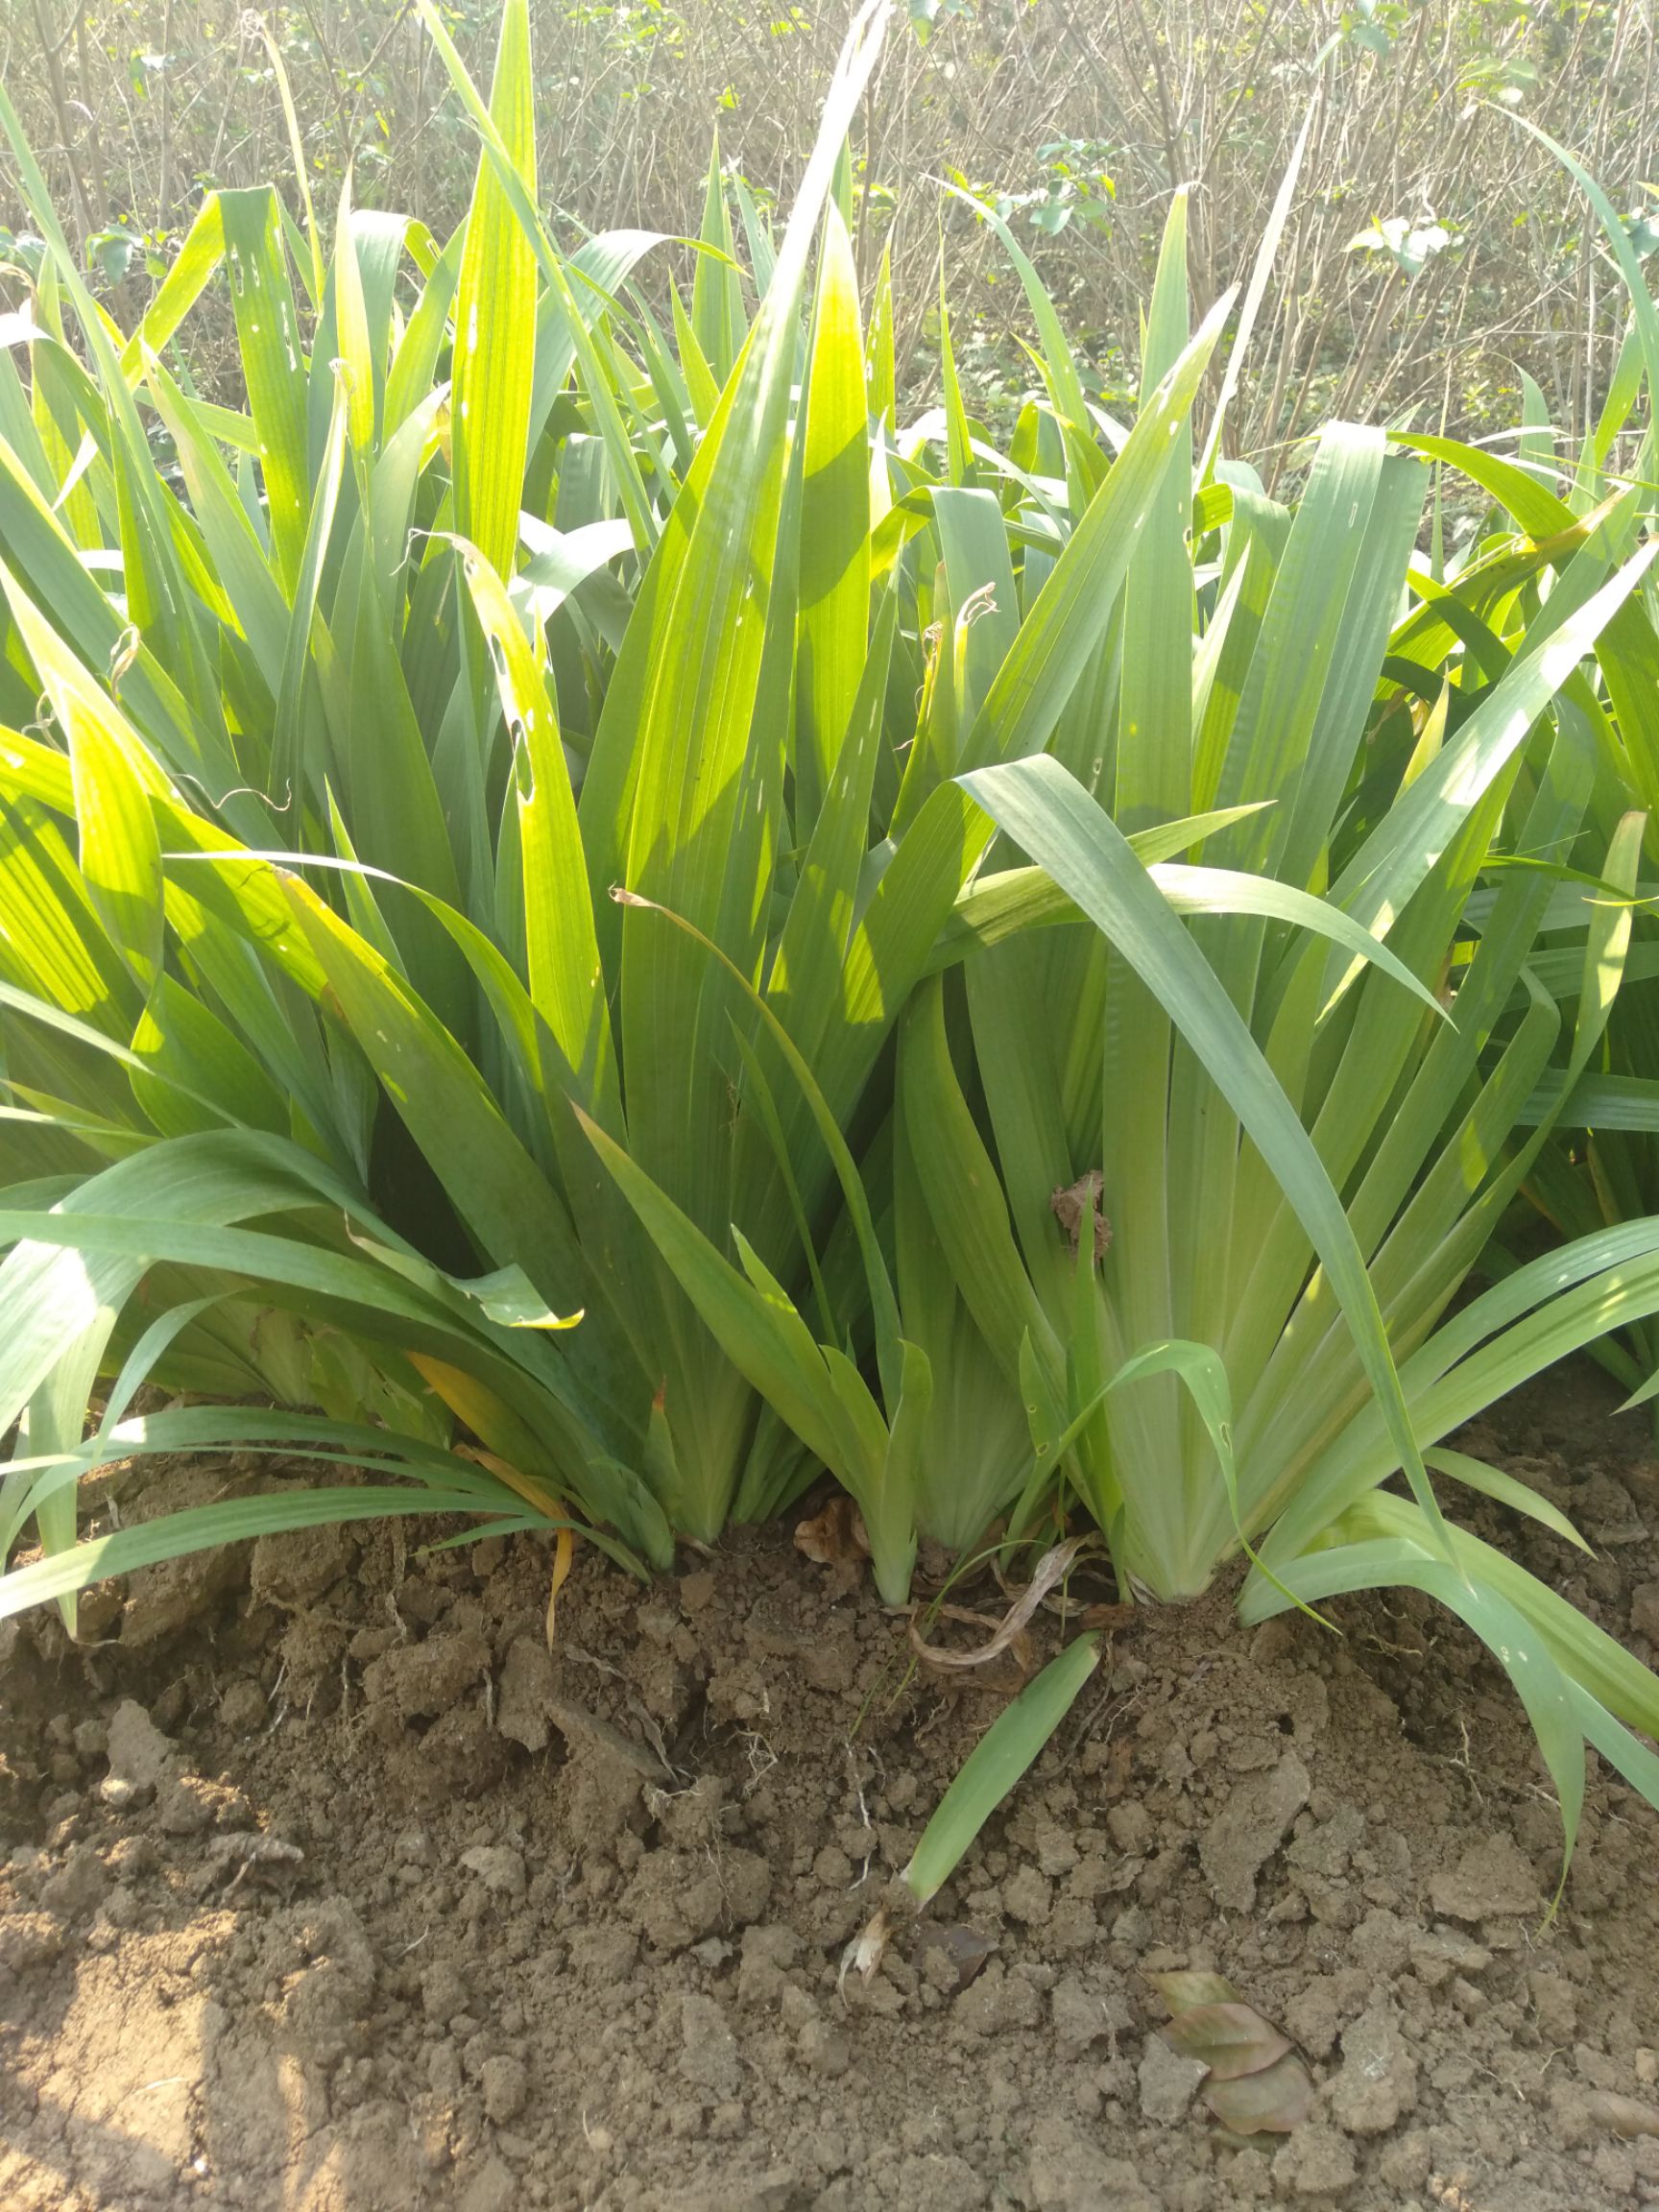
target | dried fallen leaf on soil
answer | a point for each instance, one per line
(1230, 2039)
(836, 1536)
(563, 1553)
(1182, 1991)
(1112, 1618)
(867, 1949)
(244, 1852)
(1052, 1568)
(1271, 2102)
(555, 1508)
(1017, 1646)
(1256, 2085)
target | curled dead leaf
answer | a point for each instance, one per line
(563, 1552)
(1063, 1603)
(1052, 1568)
(1017, 1646)
(555, 1508)
(836, 1537)
(864, 1955)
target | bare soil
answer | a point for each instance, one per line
(329, 1888)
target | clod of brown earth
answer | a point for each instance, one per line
(1317, 2161)
(498, 1866)
(423, 1681)
(1168, 2081)
(1491, 1880)
(527, 1694)
(298, 1566)
(1378, 2081)
(1623, 2115)
(952, 1957)
(1248, 1830)
(1069, 2172)
(139, 1756)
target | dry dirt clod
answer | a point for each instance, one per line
(949, 1957)
(1623, 2115)
(139, 1753)
(823, 2048)
(189, 1805)
(300, 1566)
(78, 1891)
(708, 2047)
(498, 1866)
(503, 2083)
(1069, 2172)
(242, 1709)
(1248, 1829)
(1378, 2082)
(1168, 2081)
(527, 1694)
(27, 1940)
(425, 1680)
(1491, 1880)
(1316, 2161)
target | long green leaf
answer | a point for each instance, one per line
(996, 1764)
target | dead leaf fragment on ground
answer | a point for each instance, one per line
(1230, 2039)
(1051, 1569)
(1271, 2102)
(836, 1537)
(1256, 2085)
(864, 1955)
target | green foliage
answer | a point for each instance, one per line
(995, 1763)
(597, 919)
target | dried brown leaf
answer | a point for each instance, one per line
(864, 1955)
(1270, 2102)
(1052, 1568)
(1110, 1618)
(1181, 1991)
(1230, 2039)
(834, 1537)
